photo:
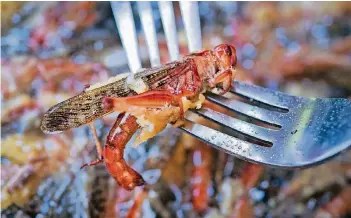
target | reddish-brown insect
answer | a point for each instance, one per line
(201, 177)
(147, 100)
(73, 16)
(337, 207)
(243, 207)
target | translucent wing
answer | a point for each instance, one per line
(87, 106)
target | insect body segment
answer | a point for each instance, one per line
(121, 132)
(164, 95)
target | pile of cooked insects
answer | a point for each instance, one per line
(69, 79)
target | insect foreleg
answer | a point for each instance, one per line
(224, 77)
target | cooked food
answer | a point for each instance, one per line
(57, 74)
(32, 160)
(72, 16)
(150, 100)
(50, 51)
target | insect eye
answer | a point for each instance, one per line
(228, 51)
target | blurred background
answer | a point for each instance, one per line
(51, 50)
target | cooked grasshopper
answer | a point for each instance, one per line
(147, 100)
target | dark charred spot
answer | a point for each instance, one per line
(228, 51)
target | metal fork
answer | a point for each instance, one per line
(297, 131)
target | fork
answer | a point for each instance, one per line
(273, 128)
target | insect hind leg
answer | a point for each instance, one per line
(149, 99)
(98, 148)
(93, 163)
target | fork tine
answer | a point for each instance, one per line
(169, 26)
(254, 131)
(191, 19)
(231, 145)
(148, 24)
(271, 117)
(126, 28)
(265, 95)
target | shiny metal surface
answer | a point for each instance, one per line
(191, 20)
(169, 26)
(270, 117)
(254, 131)
(311, 131)
(149, 29)
(299, 131)
(126, 28)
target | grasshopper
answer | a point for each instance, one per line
(159, 95)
